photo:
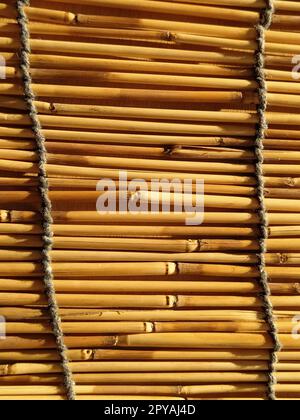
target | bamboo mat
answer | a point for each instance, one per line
(151, 307)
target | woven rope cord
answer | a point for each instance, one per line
(265, 23)
(46, 206)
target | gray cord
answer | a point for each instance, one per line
(265, 23)
(46, 206)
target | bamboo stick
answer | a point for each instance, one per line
(98, 64)
(177, 9)
(162, 390)
(218, 251)
(157, 378)
(154, 340)
(123, 94)
(119, 137)
(139, 327)
(104, 256)
(104, 354)
(128, 366)
(158, 391)
(142, 231)
(144, 301)
(87, 217)
(111, 50)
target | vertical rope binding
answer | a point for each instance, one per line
(264, 24)
(44, 193)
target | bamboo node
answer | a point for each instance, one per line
(221, 141)
(115, 340)
(172, 301)
(171, 269)
(4, 370)
(171, 149)
(5, 216)
(88, 354)
(283, 258)
(52, 108)
(201, 245)
(290, 182)
(180, 391)
(168, 36)
(149, 327)
(70, 18)
(192, 245)
(296, 287)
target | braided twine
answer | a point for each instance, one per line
(265, 23)
(46, 206)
